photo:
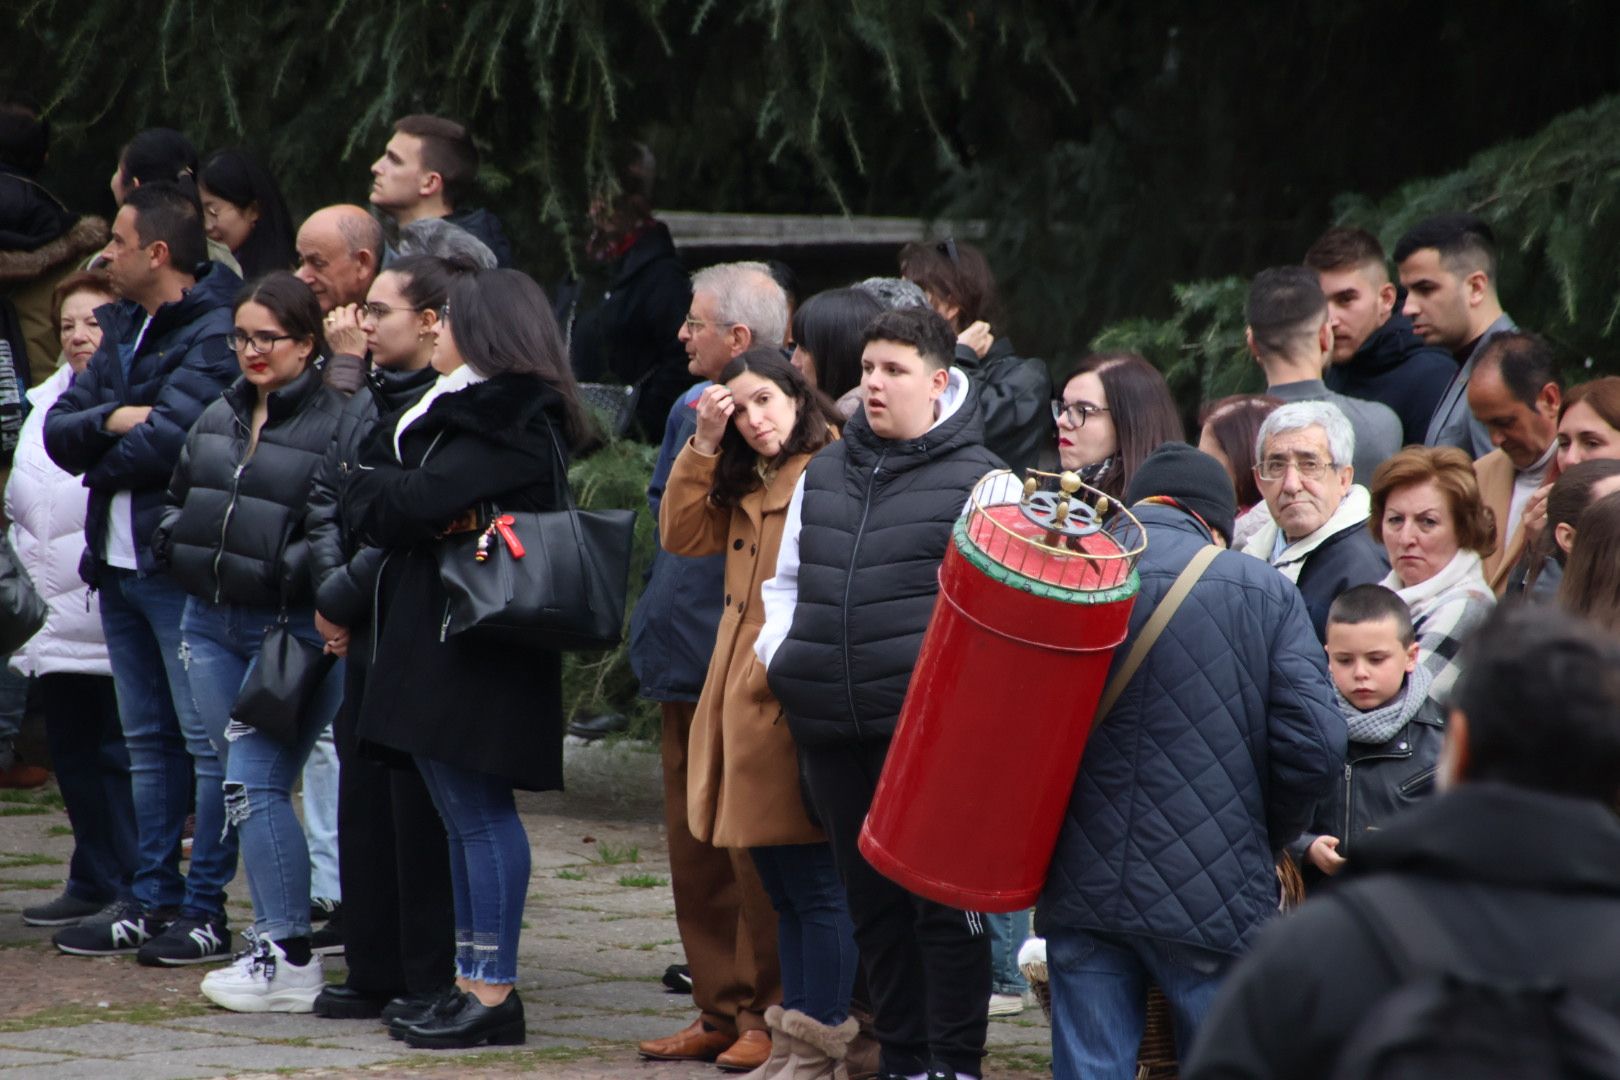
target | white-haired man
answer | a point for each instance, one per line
(1317, 536)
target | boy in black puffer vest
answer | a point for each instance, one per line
(844, 618)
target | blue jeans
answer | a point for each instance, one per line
(173, 755)
(321, 817)
(1099, 998)
(224, 642)
(815, 939)
(1008, 932)
(489, 867)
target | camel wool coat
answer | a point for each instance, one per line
(742, 786)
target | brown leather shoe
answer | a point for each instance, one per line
(23, 776)
(748, 1052)
(692, 1043)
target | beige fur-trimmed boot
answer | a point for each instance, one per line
(777, 1062)
(815, 1051)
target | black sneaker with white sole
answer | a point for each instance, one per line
(322, 908)
(65, 910)
(328, 940)
(123, 926)
(188, 940)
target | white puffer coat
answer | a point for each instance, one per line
(46, 507)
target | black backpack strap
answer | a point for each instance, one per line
(1404, 923)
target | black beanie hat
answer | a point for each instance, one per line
(1196, 481)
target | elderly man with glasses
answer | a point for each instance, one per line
(1317, 536)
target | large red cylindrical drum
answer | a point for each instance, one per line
(1013, 663)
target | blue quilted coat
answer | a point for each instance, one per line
(1210, 761)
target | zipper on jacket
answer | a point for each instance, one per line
(1344, 833)
(854, 552)
(444, 624)
(1412, 784)
(224, 527)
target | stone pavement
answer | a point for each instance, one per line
(599, 932)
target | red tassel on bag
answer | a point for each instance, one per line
(503, 525)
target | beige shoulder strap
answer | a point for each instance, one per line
(1156, 624)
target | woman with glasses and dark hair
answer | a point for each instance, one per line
(728, 493)
(233, 536)
(1114, 412)
(396, 952)
(243, 209)
(957, 280)
(479, 717)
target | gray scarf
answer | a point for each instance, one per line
(1378, 726)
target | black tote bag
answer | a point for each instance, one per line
(22, 611)
(276, 694)
(552, 579)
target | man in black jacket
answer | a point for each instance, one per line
(1376, 355)
(1518, 864)
(427, 169)
(855, 585)
(164, 357)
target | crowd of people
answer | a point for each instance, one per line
(230, 440)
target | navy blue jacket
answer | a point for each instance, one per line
(1348, 558)
(1396, 368)
(1212, 759)
(183, 364)
(673, 626)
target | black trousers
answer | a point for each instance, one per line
(394, 863)
(927, 965)
(92, 768)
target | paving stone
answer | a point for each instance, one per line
(103, 1069)
(115, 1040)
(260, 1056)
(10, 1059)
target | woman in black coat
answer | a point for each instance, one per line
(480, 718)
(233, 536)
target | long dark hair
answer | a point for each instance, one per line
(1569, 498)
(238, 177)
(1591, 585)
(502, 325)
(292, 304)
(1234, 422)
(828, 326)
(735, 475)
(1139, 404)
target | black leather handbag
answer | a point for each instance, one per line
(22, 612)
(552, 580)
(275, 696)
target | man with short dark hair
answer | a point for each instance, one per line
(428, 169)
(1515, 392)
(1512, 874)
(855, 584)
(1376, 356)
(164, 357)
(1291, 336)
(1447, 266)
(1210, 760)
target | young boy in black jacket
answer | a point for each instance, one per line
(1396, 729)
(844, 618)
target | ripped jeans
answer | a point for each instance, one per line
(260, 773)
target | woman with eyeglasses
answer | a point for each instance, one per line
(233, 536)
(398, 953)
(1115, 410)
(1428, 514)
(479, 717)
(243, 209)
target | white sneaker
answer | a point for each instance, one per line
(1006, 1004)
(261, 980)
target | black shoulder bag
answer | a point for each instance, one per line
(553, 580)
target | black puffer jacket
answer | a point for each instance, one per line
(233, 531)
(344, 572)
(1015, 399)
(875, 523)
